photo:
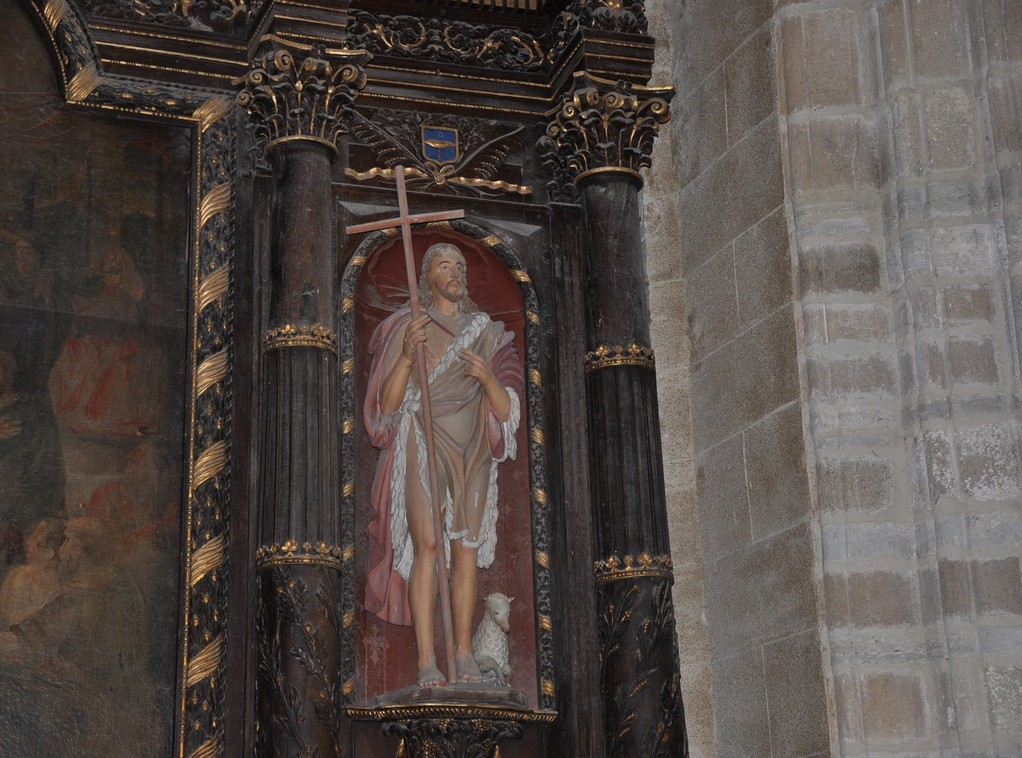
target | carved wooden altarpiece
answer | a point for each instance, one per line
(536, 118)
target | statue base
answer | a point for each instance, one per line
(467, 693)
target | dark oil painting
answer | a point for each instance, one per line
(93, 334)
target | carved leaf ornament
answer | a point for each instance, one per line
(613, 127)
(308, 99)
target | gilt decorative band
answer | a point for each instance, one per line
(630, 567)
(300, 336)
(481, 711)
(306, 554)
(621, 170)
(631, 354)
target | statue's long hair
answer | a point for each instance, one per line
(465, 304)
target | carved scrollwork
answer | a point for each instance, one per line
(606, 15)
(442, 40)
(295, 94)
(628, 16)
(605, 126)
(204, 15)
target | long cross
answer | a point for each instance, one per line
(405, 221)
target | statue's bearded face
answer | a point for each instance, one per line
(447, 277)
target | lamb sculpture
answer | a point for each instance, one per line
(490, 642)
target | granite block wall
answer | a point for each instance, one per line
(727, 340)
(835, 220)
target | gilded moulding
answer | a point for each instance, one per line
(289, 335)
(306, 554)
(448, 711)
(615, 569)
(631, 354)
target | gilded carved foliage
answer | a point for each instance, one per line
(606, 15)
(202, 15)
(443, 40)
(605, 125)
(301, 95)
(628, 16)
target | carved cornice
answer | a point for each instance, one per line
(294, 93)
(630, 567)
(628, 16)
(438, 39)
(603, 126)
(631, 354)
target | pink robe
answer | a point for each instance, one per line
(470, 441)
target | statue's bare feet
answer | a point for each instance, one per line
(468, 669)
(430, 676)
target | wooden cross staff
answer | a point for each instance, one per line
(405, 221)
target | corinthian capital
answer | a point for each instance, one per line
(602, 126)
(294, 93)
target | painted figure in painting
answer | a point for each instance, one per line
(475, 382)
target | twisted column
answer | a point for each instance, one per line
(297, 102)
(600, 137)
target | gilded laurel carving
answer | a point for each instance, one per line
(637, 642)
(442, 40)
(480, 153)
(296, 640)
(291, 94)
(202, 15)
(602, 125)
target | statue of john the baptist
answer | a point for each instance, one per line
(475, 382)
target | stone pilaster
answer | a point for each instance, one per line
(601, 136)
(298, 102)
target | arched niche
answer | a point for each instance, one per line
(378, 655)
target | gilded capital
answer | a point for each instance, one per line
(301, 93)
(603, 126)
